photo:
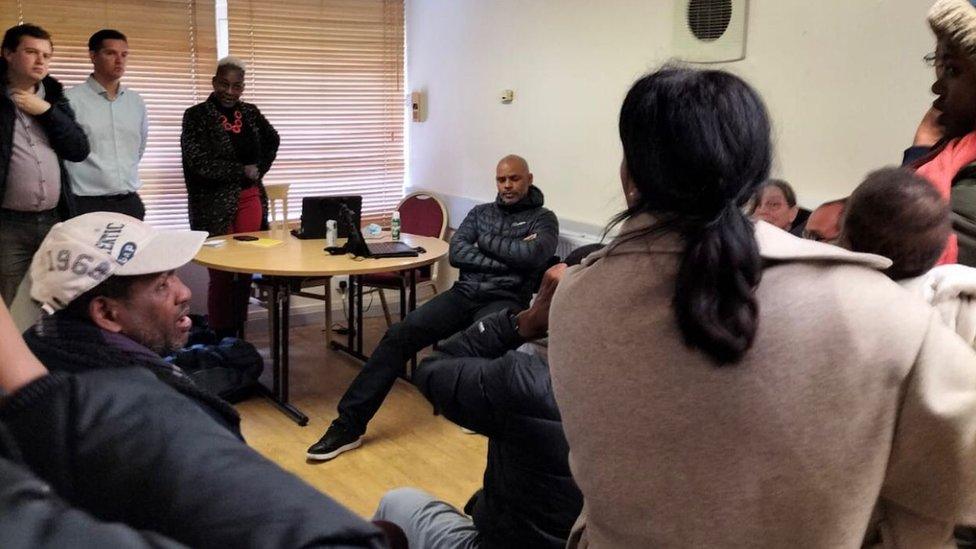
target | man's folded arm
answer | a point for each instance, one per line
(466, 255)
(525, 253)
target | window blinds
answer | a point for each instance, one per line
(328, 75)
(172, 55)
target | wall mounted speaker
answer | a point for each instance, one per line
(710, 31)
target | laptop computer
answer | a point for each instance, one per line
(316, 210)
(357, 245)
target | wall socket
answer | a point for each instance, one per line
(342, 287)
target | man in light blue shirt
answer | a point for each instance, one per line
(114, 119)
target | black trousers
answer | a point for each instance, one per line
(442, 316)
(21, 234)
(128, 204)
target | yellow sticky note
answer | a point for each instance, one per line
(262, 242)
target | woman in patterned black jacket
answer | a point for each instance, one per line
(228, 146)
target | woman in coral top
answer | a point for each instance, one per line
(950, 164)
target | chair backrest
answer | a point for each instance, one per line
(423, 214)
(278, 194)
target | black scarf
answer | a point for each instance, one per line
(67, 344)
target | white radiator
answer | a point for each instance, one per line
(570, 240)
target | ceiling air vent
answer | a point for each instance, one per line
(710, 31)
(709, 19)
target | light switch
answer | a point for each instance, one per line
(418, 104)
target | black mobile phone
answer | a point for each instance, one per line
(245, 237)
(335, 250)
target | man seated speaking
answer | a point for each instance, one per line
(110, 282)
(500, 248)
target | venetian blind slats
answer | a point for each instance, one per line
(172, 55)
(328, 74)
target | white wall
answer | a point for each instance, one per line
(843, 80)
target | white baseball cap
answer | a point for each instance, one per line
(78, 254)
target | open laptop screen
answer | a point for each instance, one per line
(316, 210)
(357, 245)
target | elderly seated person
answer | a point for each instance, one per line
(775, 203)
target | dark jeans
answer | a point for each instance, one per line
(442, 316)
(21, 234)
(128, 204)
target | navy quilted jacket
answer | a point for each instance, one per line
(501, 249)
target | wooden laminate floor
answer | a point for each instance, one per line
(405, 444)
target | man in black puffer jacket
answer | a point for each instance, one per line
(500, 249)
(479, 381)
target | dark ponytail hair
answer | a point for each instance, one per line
(696, 145)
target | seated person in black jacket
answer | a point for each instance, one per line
(480, 382)
(108, 279)
(113, 458)
(500, 249)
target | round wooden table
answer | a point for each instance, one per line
(284, 265)
(306, 258)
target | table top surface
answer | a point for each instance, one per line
(299, 258)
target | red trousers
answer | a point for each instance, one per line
(228, 293)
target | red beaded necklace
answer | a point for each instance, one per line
(236, 126)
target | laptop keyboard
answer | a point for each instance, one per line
(388, 247)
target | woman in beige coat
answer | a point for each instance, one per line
(724, 384)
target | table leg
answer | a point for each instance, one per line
(413, 289)
(283, 339)
(354, 337)
(403, 299)
(412, 276)
(289, 410)
(279, 309)
(359, 315)
(240, 323)
(274, 313)
(354, 340)
(328, 311)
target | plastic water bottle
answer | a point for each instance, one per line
(395, 226)
(330, 233)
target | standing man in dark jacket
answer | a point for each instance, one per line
(500, 249)
(479, 381)
(37, 134)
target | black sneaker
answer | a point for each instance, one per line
(334, 442)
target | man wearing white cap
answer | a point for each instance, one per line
(109, 282)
